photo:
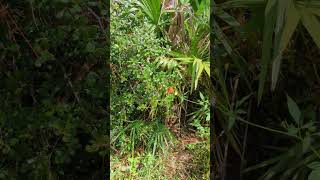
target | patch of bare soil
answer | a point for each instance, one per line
(179, 162)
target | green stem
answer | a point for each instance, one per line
(279, 132)
(268, 129)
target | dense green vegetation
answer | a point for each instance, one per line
(266, 79)
(160, 111)
(53, 89)
(57, 94)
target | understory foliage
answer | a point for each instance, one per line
(266, 89)
(53, 89)
(156, 89)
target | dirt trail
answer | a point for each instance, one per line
(178, 165)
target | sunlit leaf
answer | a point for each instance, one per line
(152, 8)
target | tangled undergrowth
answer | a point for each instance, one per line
(53, 89)
(160, 114)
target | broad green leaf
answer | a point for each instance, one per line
(312, 24)
(292, 19)
(294, 110)
(314, 175)
(269, 7)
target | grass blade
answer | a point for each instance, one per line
(291, 21)
(270, 20)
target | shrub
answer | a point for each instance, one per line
(53, 92)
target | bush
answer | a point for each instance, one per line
(53, 93)
(138, 84)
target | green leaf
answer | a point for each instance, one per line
(291, 22)
(292, 130)
(45, 56)
(294, 110)
(222, 38)
(242, 100)
(312, 24)
(270, 21)
(292, 18)
(226, 17)
(201, 96)
(314, 165)
(314, 175)
(263, 164)
(231, 121)
(197, 69)
(269, 7)
(90, 47)
(306, 144)
(315, 11)
(206, 66)
(152, 8)
(239, 61)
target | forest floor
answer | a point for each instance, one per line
(178, 162)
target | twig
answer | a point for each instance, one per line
(22, 34)
(98, 18)
(70, 83)
(71, 86)
(33, 16)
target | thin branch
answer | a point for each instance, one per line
(22, 34)
(98, 18)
